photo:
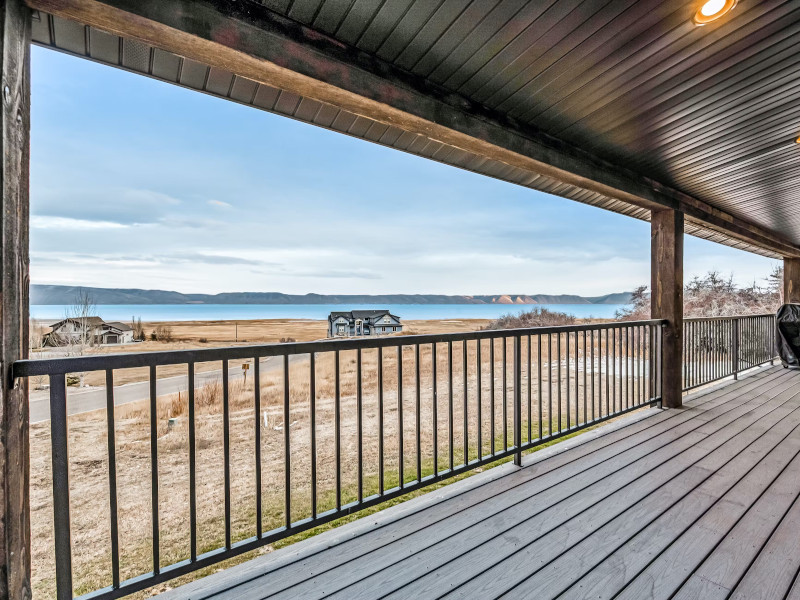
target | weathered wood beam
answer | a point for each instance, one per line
(666, 277)
(791, 280)
(249, 40)
(15, 532)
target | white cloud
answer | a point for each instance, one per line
(220, 204)
(68, 223)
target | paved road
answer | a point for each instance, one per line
(80, 401)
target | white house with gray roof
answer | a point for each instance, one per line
(93, 330)
(363, 323)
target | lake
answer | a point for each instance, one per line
(238, 312)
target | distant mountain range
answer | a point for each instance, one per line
(64, 294)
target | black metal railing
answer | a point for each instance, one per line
(719, 347)
(381, 417)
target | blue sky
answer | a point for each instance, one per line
(137, 183)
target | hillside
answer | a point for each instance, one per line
(62, 294)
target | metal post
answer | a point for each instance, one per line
(735, 348)
(518, 400)
(60, 459)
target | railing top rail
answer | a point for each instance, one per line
(77, 364)
(695, 319)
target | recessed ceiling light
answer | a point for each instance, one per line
(711, 10)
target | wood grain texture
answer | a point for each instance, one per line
(15, 560)
(666, 275)
(791, 280)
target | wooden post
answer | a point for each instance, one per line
(666, 273)
(15, 552)
(791, 280)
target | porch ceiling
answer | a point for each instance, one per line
(643, 107)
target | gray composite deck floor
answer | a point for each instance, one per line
(701, 502)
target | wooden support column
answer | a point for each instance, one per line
(791, 280)
(15, 552)
(666, 274)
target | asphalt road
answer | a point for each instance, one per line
(86, 400)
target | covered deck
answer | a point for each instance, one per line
(695, 502)
(635, 107)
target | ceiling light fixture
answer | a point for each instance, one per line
(711, 10)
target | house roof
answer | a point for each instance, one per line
(361, 314)
(92, 321)
(120, 326)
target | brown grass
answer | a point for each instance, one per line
(187, 335)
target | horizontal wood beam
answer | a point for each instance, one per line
(251, 41)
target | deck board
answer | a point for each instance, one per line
(698, 502)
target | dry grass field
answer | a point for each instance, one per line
(88, 444)
(191, 335)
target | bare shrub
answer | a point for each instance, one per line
(713, 295)
(538, 317)
(162, 333)
(138, 329)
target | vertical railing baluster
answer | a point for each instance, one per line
(608, 390)
(622, 376)
(435, 410)
(585, 388)
(226, 450)
(287, 443)
(257, 410)
(400, 426)
(478, 369)
(360, 425)
(518, 400)
(381, 478)
(735, 349)
(450, 402)
(530, 391)
(505, 393)
(591, 377)
(638, 353)
(112, 478)
(661, 362)
(569, 408)
(337, 427)
(59, 445)
(549, 385)
(312, 397)
(614, 369)
(539, 380)
(492, 374)
(154, 469)
(193, 466)
(418, 423)
(466, 409)
(627, 331)
(649, 367)
(558, 379)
